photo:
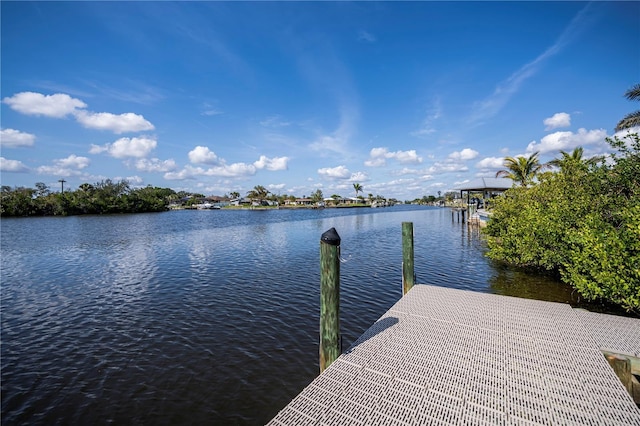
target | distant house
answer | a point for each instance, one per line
(240, 202)
(218, 201)
(330, 201)
(304, 202)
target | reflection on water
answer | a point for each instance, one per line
(205, 317)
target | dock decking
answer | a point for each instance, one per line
(442, 356)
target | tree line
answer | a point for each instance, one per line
(100, 198)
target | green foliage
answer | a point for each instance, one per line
(102, 198)
(258, 193)
(631, 119)
(582, 223)
(317, 196)
(358, 188)
(521, 170)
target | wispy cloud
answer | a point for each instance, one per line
(509, 87)
(274, 122)
(366, 36)
(337, 142)
(433, 114)
(131, 91)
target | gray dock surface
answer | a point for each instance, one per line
(442, 356)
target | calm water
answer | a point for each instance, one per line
(204, 317)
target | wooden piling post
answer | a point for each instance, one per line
(329, 298)
(622, 367)
(408, 275)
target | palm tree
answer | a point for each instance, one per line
(258, 193)
(568, 162)
(234, 194)
(521, 170)
(633, 119)
(317, 196)
(357, 188)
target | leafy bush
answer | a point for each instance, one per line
(582, 222)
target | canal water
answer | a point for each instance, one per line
(205, 317)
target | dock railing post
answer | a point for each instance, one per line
(329, 298)
(408, 275)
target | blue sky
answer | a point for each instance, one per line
(407, 99)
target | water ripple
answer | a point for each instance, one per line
(195, 317)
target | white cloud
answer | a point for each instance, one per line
(127, 147)
(58, 105)
(273, 164)
(359, 177)
(121, 123)
(340, 172)
(625, 132)
(567, 140)
(559, 119)
(12, 166)
(407, 157)
(189, 172)
(212, 112)
(10, 138)
(133, 180)
(73, 162)
(276, 186)
(491, 163)
(155, 165)
(464, 155)
(203, 155)
(378, 156)
(233, 170)
(65, 167)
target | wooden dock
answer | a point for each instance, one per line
(442, 356)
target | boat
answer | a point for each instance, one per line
(207, 206)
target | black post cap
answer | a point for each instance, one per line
(331, 237)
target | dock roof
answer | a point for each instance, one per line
(486, 184)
